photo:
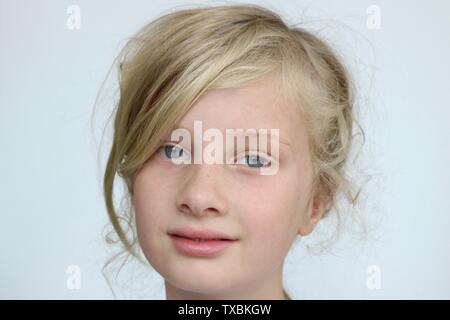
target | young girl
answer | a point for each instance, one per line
(223, 230)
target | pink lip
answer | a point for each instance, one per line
(183, 240)
(206, 234)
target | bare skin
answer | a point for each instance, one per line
(265, 213)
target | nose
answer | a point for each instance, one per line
(202, 193)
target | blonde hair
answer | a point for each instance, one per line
(176, 58)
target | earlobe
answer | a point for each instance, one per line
(318, 209)
(312, 216)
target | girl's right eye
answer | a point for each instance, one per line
(174, 152)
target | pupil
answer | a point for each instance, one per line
(169, 151)
(253, 162)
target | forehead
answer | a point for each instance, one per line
(258, 105)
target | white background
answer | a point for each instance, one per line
(51, 206)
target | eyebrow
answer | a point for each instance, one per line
(281, 140)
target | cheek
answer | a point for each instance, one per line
(150, 202)
(271, 216)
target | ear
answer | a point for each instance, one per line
(313, 214)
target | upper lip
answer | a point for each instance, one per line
(204, 234)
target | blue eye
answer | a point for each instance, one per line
(172, 152)
(255, 161)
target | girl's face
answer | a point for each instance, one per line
(265, 213)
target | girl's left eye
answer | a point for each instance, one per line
(254, 161)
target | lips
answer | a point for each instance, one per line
(200, 243)
(200, 234)
(199, 239)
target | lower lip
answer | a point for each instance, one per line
(207, 248)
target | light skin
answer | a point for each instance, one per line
(264, 212)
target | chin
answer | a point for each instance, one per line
(200, 284)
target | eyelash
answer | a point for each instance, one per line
(162, 149)
(259, 158)
(247, 154)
